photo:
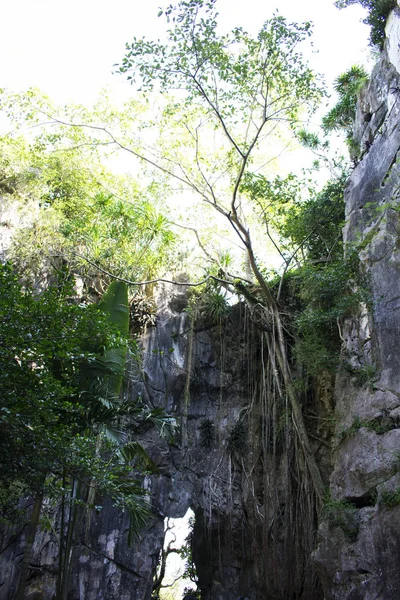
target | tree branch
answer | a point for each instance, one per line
(149, 281)
(216, 112)
(210, 258)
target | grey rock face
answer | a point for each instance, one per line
(104, 566)
(233, 494)
(252, 540)
(364, 564)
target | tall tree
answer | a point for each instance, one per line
(244, 87)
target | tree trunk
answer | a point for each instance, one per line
(66, 563)
(33, 525)
(297, 415)
(61, 543)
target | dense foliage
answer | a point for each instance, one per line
(62, 356)
(317, 290)
(79, 210)
(61, 418)
(313, 225)
(50, 414)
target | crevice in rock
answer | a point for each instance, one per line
(109, 558)
(388, 172)
(367, 499)
(36, 570)
(364, 572)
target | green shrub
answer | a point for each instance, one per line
(366, 375)
(378, 425)
(316, 224)
(143, 312)
(354, 427)
(390, 498)
(343, 514)
(215, 304)
(327, 298)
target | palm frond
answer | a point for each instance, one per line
(116, 436)
(133, 450)
(139, 517)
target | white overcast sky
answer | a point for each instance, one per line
(68, 48)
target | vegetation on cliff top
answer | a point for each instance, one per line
(378, 13)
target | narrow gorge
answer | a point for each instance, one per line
(261, 532)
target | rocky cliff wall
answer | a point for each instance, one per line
(359, 549)
(255, 517)
(255, 512)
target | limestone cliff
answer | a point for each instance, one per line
(359, 548)
(255, 523)
(235, 461)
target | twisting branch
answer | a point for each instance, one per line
(196, 233)
(149, 281)
(165, 552)
(157, 585)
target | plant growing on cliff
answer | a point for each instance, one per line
(215, 304)
(327, 299)
(390, 498)
(342, 115)
(207, 433)
(343, 514)
(237, 439)
(378, 13)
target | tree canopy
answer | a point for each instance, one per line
(78, 205)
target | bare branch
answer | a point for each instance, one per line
(158, 280)
(185, 180)
(216, 112)
(210, 258)
(243, 166)
(206, 181)
(277, 248)
(72, 148)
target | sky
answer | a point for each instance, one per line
(68, 49)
